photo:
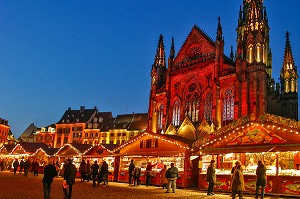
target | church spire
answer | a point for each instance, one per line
(219, 30)
(172, 50)
(158, 73)
(288, 74)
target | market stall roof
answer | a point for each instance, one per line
(153, 144)
(100, 150)
(27, 148)
(46, 152)
(268, 133)
(72, 150)
(6, 149)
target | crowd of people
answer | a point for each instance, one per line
(237, 180)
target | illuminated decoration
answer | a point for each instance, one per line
(176, 114)
(256, 135)
(98, 148)
(156, 136)
(41, 150)
(68, 145)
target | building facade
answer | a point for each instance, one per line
(200, 88)
(4, 131)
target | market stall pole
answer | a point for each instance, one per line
(102, 152)
(272, 139)
(159, 150)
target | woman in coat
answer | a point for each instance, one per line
(163, 178)
(238, 182)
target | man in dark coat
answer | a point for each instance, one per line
(35, 168)
(130, 171)
(16, 165)
(211, 177)
(49, 173)
(82, 170)
(261, 179)
(21, 165)
(95, 169)
(27, 165)
(69, 177)
(104, 173)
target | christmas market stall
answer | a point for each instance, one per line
(159, 150)
(5, 150)
(274, 140)
(46, 154)
(73, 151)
(103, 152)
(26, 150)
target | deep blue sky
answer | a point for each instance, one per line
(59, 54)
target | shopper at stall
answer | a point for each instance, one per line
(69, 178)
(27, 165)
(21, 165)
(163, 178)
(49, 173)
(171, 175)
(237, 182)
(235, 166)
(149, 172)
(136, 175)
(88, 170)
(261, 179)
(104, 172)
(130, 170)
(16, 165)
(211, 177)
(95, 170)
(35, 168)
(82, 170)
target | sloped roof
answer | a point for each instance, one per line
(6, 148)
(28, 132)
(31, 147)
(179, 138)
(77, 116)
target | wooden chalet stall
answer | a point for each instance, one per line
(102, 152)
(46, 154)
(5, 150)
(74, 152)
(272, 139)
(160, 150)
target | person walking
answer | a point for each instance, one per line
(104, 173)
(35, 168)
(171, 175)
(21, 165)
(211, 177)
(15, 165)
(82, 170)
(130, 171)
(88, 170)
(69, 178)
(95, 169)
(27, 165)
(49, 173)
(136, 175)
(149, 172)
(261, 179)
(237, 185)
(163, 178)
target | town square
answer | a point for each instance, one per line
(198, 99)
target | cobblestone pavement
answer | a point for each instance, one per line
(20, 187)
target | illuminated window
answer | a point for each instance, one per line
(192, 103)
(258, 53)
(250, 54)
(160, 117)
(176, 114)
(228, 105)
(208, 107)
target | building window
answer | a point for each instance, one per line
(150, 143)
(103, 134)
(192, 103)
(119, 134)
(86, 135)
(66, 140)
(92, 134)
(103, 141)
(160, 117)
(258, 53)
(208, 107)
(131, 134)
(123, 134)
(112, 135)
(176, 114)
(228, 106)
(250, 54)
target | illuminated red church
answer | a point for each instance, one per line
(200, 87)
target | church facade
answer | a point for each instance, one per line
(200, 89)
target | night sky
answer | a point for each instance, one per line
(59, 54)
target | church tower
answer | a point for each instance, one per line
(289, 83)
(253, 59)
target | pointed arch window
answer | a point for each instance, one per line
(160, 117)
(250, 53)
(176, 114)
(258, 53)
(192, 103)
(208, 107)
(228, 106)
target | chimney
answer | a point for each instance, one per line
(69, 108)
(82, 109)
